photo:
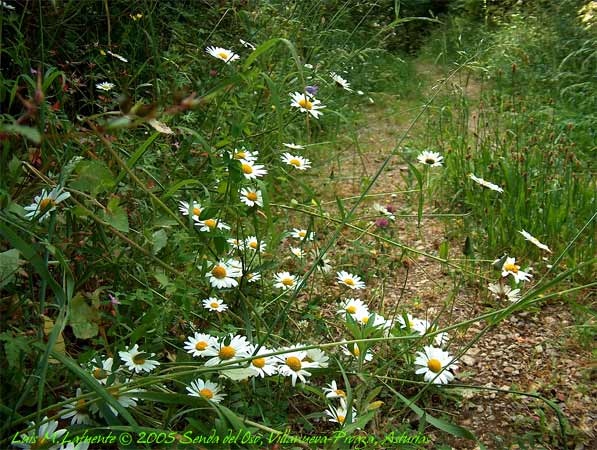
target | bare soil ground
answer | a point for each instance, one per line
(533, 351)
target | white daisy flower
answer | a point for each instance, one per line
(354, 307)
(44, 437)
(207, 390)
(252, 243)
(502, 291)
(263, 365)
(224, 273)
(308, 66)
(529, 237)
(338, 415)
(220, 352)
(77, 412)
(324, 264)
(298, 162)
(236, 244)
(350, 280)
(214, 304)
(434, 363)
(421, 326)
(354, 351)
(432, 159)
(245, 154)
(340, 81)
(384, 210)
(102, 373)
(222, 54)
(247, 44)
(285, 281)
(487, 184)
(192, 209)
(198, 344)
(209, 225)
(7, 6)
(136, 360)
(297, 251)
(318, 358)
(303, 235)
(252, 277)
(293, 364)
(306, 103)
(293, 146)
(333, 391)
(252, 171)
(441, 339)
(380, 322)
(409, 323)
(251, 197)
(124, 399)
(510, 268)
(45, 203)
(117, 56)
(105, 86)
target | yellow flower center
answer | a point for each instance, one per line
(295, 162)
(302, 233)
(219, 272)
(356, 351)
(511, 268)
(259, 362)
(430, 161)
(349, 281)
(227, 352)
(45, 202)
(305, 103)
(247, 169)
(214, 305)
(351, 309)
(206, 393)
(340, 392)
(80, 405)
(287, 281)
(252, 196)
(434, 365)
(365, 320)
(341, 419)
(138, 360)
(223, 55)
(240, 155)
(100, 373)
(201, 345)
(250, 276)
(253, 244)
(294, 363)
(210, 223)
(196, 211)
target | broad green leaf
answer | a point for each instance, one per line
(159, 239)
(83, 318)
(92, 177)
(116, 216)
(14, 347)
(9, 264)
(30, 133)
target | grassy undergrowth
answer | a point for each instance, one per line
(168, 265)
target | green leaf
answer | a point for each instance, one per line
(454, 430)
(14, 347)
(116, 216)
(93, 177)
(30, 133)
(9, 264)
(136, 156)
(159, 239)
(83, 318)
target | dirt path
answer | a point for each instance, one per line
(533, 351)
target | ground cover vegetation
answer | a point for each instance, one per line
(211, 227)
